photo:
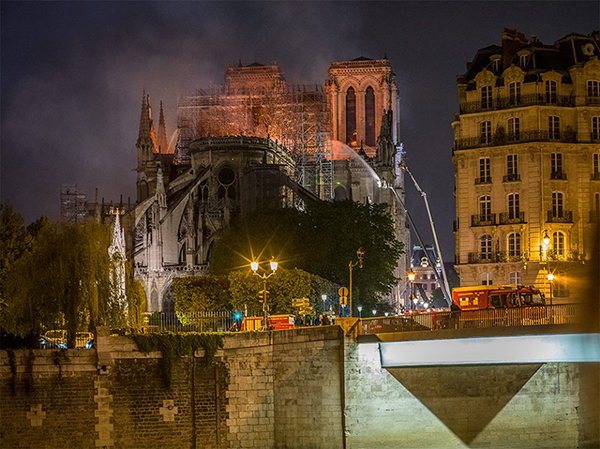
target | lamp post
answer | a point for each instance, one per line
(255, 265)
(359, 253)
(550, 279)
(359, 308)
(374, 312)
(545, 244)
(324, 298)
(411, 277)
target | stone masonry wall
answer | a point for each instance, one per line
(265, 390)
(504, 406)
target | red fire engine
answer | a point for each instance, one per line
(483, 297)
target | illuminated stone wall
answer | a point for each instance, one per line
(280, 389)
(502, 406)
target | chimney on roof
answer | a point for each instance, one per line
(512, 41)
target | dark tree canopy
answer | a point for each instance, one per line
(322, 241)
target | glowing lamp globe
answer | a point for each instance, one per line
(273, 265)
(254, 266)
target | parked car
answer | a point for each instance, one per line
(57, 339)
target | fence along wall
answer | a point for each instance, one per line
(279, 389)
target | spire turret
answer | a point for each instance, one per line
(147, 135)
(163, 143)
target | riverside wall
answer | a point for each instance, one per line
(311, 388)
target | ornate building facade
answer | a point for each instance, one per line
(254, 142)
(526, 158)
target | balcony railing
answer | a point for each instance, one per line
(563, 256)
(483, 180)
(498, 257)
(519, 101)
(483, 220)
(558, 175)
(565, 216)
(509, 139)
(595, 176)
(512, 218)
(594, 101)
(513, 177)
(595, 137)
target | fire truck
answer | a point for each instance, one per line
(482, 297)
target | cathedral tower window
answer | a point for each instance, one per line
(370, 117)
(351, 135)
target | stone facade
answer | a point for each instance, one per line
(257, 142)
(526, 157)
(307, 388)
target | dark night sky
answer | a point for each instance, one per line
(73, 72)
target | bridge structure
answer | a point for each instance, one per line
(514, 378)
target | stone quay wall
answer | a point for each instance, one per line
(310, 388)
(278, 389)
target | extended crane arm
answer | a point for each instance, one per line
(445, 287)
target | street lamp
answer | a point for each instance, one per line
(550, 279)
(359, 253)
(359, 308)
(374, 312)
(545, 243)
(411, 277)
(324, 298)
(255, 265)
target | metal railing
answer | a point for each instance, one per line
(483, 220)
(498, 257)
(513, 177)
(558, 175)
(191, 321)
(509, 139)
(511, 218)
(565, 217)
(517, 102)
(471, 319)
(483, 180)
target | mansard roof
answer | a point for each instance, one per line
(562, 55)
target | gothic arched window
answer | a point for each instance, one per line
(351, 135)
(370, 117)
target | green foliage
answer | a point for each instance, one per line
(321, 241)
(201, 294)
(283, 286)
(175, 346)
(136, 300)
(62, 280)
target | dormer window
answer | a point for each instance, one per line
(523, 60)
(496, 63)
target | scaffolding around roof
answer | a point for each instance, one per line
(295, 116)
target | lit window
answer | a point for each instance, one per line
(593, 89)
(556, 166)
(486, 97)
(523, 60)
(486, 278)
(512, 165)
(484, 170)
(486, 132)
(595, 128)
(514, 244)
(558, 243)
(515, 278)
(485, 208)
(485, 246)
(557, 204)
(553, 127)
(514, 93)
(513, 206)
(513, 128)
(551, 96)
(496, 65)
(370, 117)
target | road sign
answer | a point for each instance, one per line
(299, 302)
(343, 292)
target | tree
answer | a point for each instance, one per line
(62, 280)
(201, 294)
(321, 241)
(283, 286)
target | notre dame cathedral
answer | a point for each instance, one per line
(253, 142)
